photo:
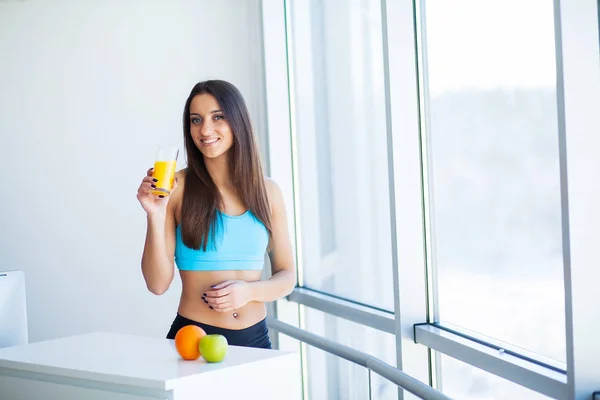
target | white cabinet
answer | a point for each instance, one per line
(112, 366)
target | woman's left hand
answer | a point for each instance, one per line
(228, 296)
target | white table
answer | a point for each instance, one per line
(102, 366)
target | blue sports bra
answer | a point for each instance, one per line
(241, 243)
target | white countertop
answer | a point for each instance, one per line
(121, 359)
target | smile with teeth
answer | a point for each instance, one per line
(209, 141)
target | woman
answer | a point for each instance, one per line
(220, 219)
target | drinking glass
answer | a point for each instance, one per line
(164, 170)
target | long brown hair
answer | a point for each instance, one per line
(201, 197)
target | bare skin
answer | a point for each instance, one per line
(196, 283)
(238, 301)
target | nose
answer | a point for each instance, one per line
(207, 128)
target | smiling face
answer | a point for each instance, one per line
(210, 130)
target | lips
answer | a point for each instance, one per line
(209, 141)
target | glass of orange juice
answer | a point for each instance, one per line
(164, 170)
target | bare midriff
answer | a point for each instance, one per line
(196, 283)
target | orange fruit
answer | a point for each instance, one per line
(187, 341)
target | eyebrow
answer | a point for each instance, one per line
(212, 112)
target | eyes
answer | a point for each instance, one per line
(198, 120)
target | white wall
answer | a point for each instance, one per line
(87, 91)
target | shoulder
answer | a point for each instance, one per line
(274, 194)
(177, 194)
(273, 189)
(180, 175)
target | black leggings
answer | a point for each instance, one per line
(256, 335)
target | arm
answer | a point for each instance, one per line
(283, 278)
(157, 259)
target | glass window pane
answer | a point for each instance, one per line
(463, 381)
(331, 377)
(340, 127)
(494, 170)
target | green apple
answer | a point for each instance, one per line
(213, 348)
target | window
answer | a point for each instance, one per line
(463, 381)
(340, 126)
(474, 115)
(331, 377)
(493, 170)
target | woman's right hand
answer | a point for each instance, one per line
(151, 203)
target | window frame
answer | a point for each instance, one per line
(414, 317)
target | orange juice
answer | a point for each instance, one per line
(164, 171)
